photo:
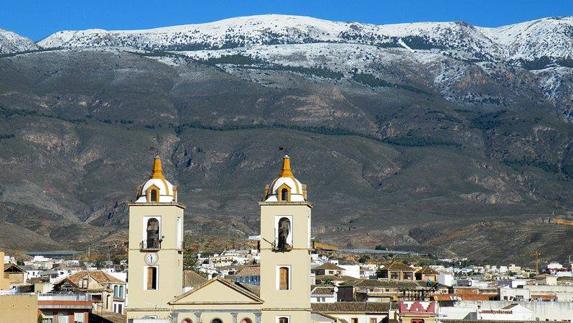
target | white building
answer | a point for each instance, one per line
(350, 270)
(514, 294)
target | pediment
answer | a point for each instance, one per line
(217, 291)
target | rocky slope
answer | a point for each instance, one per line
(13, 43)
(407, 135)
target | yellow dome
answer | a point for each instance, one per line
(157, 189)
(285, 188)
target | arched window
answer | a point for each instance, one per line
(283, 233)
(284, 278)
(187, 320)
(283, 319)
(154, 195)
(152, 240)
(284, 194)
(246, 320)
(217, 321)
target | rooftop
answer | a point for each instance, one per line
(351, 307)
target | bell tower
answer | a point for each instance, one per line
(285, 249)
(155, 253)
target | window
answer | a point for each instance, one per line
(284, 234)
(84, 283)
(284, 278)
(354, 320)
(394, 275)
(79, 317)
(283, 319)
(417, 321)
(187, 320)
(246, 320)
(118, 308)
(115, 291)
(121, 288)
(152, 230)
(154, 195)
(373, 320)
(47, 320)
(151, 283)
(284, 194)
(216, 321)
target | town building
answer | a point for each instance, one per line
(105, 291)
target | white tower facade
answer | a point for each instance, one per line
(285, 250)
(155, 254)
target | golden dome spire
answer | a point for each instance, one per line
(286, 170)
(157, 171)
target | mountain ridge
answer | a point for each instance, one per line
(11, 42)
(235, 32)
(402, 143)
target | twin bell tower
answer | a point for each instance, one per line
(156, 253)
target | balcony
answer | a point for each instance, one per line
(150, 245)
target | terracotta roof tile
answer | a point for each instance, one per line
(350, 307)
(97, 275)
(249, 271)
(193, 279)
(328, 266)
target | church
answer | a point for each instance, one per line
(156, 260)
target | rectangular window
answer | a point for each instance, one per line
(79, 317)
(373, 320)
(151, 282)
(284, 278)
(354, 320)
(121, 287)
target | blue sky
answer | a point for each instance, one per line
(39, 18)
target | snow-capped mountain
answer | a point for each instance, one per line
(452, 54)
(13, 43)
(548, 38)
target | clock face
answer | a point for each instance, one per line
(151, 259)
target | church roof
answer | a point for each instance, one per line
(241, 289)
